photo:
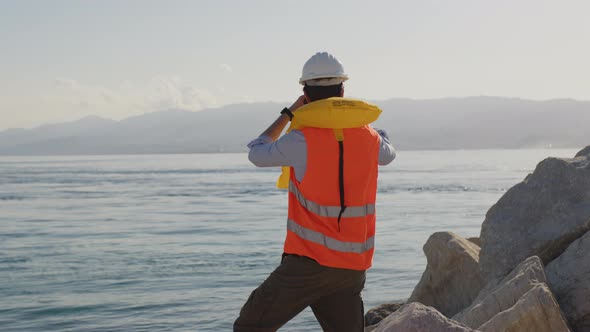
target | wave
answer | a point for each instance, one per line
(436, 188)
(14, 260)
(37, 312)
(10, 197)
(144, 171)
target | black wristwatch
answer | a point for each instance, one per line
(287, 111)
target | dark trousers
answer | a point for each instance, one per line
(333, 294)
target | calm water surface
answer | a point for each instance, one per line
(177, 242)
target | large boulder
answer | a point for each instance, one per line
(569, 278)
(416, 317)
(584, 152)
(494, 299)
(474, 240)
(536, 311)
(377, 314)
(452, 279)
(540, 216)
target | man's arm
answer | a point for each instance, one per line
(276, 128)
(262, 151)
(386, 150)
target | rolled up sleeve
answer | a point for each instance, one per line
(286, 151)
(386, 150)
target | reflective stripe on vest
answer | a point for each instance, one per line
(328, 242)
(330, 211)
(314, 228)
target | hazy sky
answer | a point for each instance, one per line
(63, 60)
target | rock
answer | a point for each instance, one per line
(536, 311)
(585, 152)
(569, 278)
(474, 240)
(370, 328)
(540, 216)
(452, 278)
(494, 299)
(375, 315)
(416, 317)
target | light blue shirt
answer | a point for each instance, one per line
(291, 150)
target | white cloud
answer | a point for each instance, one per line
(66, 83)
(159, 93)
(173, 93)
(73, 92)
(226, 67)
(68, 99)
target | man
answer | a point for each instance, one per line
(333, 155)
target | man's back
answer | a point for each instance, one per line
(332, 210)
(331, 156)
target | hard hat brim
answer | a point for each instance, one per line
(302, 80)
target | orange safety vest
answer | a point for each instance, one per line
(332, 210)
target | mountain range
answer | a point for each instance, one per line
(449, 123)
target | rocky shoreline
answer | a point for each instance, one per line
(528, 271)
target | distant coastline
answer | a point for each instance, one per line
(471, 123)
(246, 151)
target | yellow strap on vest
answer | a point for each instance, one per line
(339, 133)
(335, 113)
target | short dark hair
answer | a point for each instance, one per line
(322, 92)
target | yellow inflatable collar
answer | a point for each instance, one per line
(335, 113)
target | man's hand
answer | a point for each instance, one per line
(275, 129)
(298, 103)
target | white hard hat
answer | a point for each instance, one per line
(323, 69)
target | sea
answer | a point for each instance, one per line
(178, 242)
